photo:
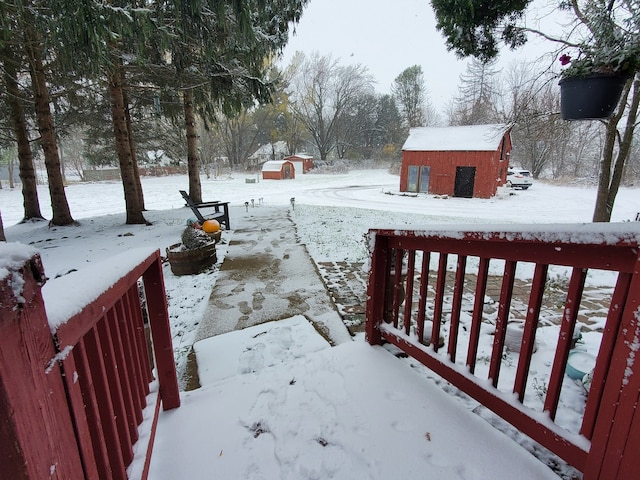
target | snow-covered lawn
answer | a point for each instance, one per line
(332, 215)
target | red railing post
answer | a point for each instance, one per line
(611, 419)
(161, 335)
(614, 446)
(376, 291)
(36, 432)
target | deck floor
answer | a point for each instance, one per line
(285, 406)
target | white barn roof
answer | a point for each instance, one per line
(479, 138)
(273, 165)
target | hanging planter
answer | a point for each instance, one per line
(592, 97)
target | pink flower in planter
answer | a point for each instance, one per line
(565, 59)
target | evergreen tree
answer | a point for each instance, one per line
(22, 42)
(410, 93)
(20, 132)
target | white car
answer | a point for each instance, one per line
(518, 178)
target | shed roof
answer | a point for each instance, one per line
(479, 138)
(302, 156)
(274, 165)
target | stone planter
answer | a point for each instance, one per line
(190, 262)
(590, 98)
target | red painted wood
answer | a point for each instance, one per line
(152, 436)
(85, 319)
(94, 393)
(502, 319)
(376, 288)
(530, 327)
(96, 359)
(79, 414)
(161, 333)
(607, 345)
(424, 288)
(541, 433)
(456, 306)
(131, 355)
(438, 301)
(518, 247)
(619, 405)
(569, 317)
(611, 417)
(36, 431)
(106, 339)
(139, 339)
(476, 316)
(92, 410)
(397, 285)
(630, 461)
(124, 379)
(408, 301)
(491, 169)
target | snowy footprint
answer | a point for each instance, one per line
(252, 359)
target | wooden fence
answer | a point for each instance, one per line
(73, 389)
(402, 303)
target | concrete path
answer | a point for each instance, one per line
(268, 275)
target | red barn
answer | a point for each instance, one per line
(278, 170)
(465, 161)
(303, 163)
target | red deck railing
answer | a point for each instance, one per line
(75, 397)
(442, 270)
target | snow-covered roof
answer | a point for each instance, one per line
(273, 165)
(301, 156)
(278, 148)
(480, 138)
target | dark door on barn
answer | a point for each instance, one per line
(418, 179)
(287, 171)
(465, 180)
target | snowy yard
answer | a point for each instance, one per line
(332, 215)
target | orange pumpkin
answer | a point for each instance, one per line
(211, 226)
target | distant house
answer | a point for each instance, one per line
(278, 170)
(268, 151)
(464, 161)
(302, 162)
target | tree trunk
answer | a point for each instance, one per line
(610, 172)
(193, 159)
(132, 146)
(2, 237)
(59, 204)
(19, 124)
(123, 147)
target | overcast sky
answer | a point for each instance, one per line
(389, 36)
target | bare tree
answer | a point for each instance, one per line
(71, 151)
(322, 93)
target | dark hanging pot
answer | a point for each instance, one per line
(591, 97)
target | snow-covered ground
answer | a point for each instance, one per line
(332, 213)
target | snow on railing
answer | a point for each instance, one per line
(497, 313)
(96, 356)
